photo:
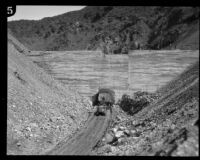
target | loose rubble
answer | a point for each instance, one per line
(128, 135)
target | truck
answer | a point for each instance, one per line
(103, 100)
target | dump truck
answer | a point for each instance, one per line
(103, 100)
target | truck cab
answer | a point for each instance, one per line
(103, 100)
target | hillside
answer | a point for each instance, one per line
(175, 116)
(114, 29)
(40, 111)
(169, 126)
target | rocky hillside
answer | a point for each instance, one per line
(114, 29)
(40, 111)
(169, 126)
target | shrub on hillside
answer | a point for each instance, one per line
(137, 103)
(147, 96)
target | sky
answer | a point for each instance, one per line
(38, 12)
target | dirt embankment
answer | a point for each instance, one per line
(169, 126)
(40, 111)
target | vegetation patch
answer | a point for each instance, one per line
(137, 103)
(113, 29)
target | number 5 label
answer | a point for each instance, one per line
(11, 9)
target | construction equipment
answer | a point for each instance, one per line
(104, 100)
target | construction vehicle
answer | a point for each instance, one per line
(103, 100)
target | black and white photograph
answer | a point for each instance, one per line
(102, 80)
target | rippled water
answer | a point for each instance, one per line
(140, 70)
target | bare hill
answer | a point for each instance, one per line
(40, 111)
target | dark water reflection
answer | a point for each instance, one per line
(141, 70)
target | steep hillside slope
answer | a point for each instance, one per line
(169, 126)
(171, 120)
(114, 29)
(18, 46)
(40, 111)
(189, 40)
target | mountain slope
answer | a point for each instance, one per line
(172, 119)
(190, 40)
(112, 28)
(169, 126)
(40, 111)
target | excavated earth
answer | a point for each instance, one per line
(47, 117)
(169, 126)
(41, 112)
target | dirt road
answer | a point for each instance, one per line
(83, 142)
